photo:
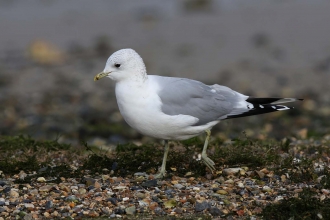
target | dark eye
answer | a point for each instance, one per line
(117, 65)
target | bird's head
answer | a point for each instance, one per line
(124, 64)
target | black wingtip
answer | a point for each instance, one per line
(301, 99)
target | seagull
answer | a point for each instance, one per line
(172, 108)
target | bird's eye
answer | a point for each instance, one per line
(117, 65)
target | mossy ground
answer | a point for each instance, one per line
(296, 161)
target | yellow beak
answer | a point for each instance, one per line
(100, 75)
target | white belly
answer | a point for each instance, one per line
(141, 109)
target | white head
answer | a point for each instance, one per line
(124, 64)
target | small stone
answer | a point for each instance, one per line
(264, 170)
(139, 178)
(240, 185)
(196, 189)
(215, 211)
(13, 194)
(41, 180)
(29, 206)
(22, 175)
(260, 174)
(106, 210)
(140, 195)
(48, 205)
(278, 198)
(89, 181)
(130, 210)
(45, 188)
(191, 200)
(113, 200)
(97, 185)
(142, 203)
(242, 172)
(90, 188)
(72, 199)
(141, 174)
(74, 187)
(170, 203)
(6, 190)
(150, 183)
(231, 171)
(178, 186)
(230, 181)
(120, 187)
(177, 210)
(325, 191)
(105, 177)
(82, 191)
(200, 206)
(34, 192)
(28, 217)
(76, 209)
(222, 192)
(158, 211)
(188, 174)
(46, 214)
(266, 189)
(65, 188)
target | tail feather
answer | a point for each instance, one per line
(271, 100)
(262, 106)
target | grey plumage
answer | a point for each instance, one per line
(211, 103)
(190, 97)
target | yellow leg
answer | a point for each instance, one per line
(162, 172)
(207, 161)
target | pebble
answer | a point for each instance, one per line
(130, 210)
(41, 179)
(82, 191)
(13, 194)
(222, 192)
(140, 195)
(231, 171)
(170, 203)
(200, 206)
(215, 211)
(266, 189)
(28, 205)
(45, 188)
(150, 183)
(6, 190)
(178, 186)
(48, 205)
(113, 201)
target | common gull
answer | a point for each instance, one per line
(172, 108)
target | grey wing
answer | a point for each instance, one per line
(190, 97)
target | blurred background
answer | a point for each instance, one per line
(51, 50)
